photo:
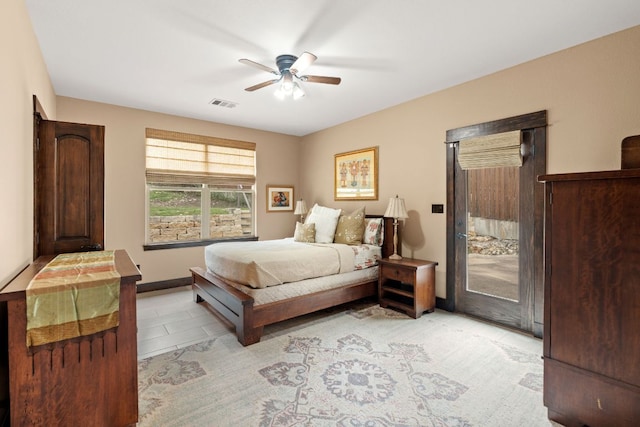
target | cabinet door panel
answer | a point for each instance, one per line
(595, 276)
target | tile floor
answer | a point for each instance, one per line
(170, 319)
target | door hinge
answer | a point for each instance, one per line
(38, 144)
(550, 198)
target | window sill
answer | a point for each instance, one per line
(194, 243)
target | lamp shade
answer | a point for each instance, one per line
(396, 208)
(301, 208)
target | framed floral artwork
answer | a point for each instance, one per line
(280, 198)
(356, 175)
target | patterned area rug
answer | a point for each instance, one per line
(357, 365)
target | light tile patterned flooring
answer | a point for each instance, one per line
(170, 319)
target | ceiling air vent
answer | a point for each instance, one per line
(222, 103)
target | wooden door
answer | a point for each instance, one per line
(69, 188)
(521, 306)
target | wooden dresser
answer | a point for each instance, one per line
(90, 381)
(592, 298)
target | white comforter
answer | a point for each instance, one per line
(274, 262)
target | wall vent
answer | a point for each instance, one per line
(222, 103)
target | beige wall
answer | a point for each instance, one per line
(22, 75)
(125, 180)
(591, 93)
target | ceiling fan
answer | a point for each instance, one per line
(288, 73)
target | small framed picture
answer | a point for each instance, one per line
(280, 198)
(356, 175)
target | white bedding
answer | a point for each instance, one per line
(266, 263)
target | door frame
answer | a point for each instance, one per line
(536, 124)
(38, 115)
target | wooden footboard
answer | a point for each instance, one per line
(233, 305)
(249, 319)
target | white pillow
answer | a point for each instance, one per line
(326, 220)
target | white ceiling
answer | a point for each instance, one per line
(176, 56)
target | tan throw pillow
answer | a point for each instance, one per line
(305, 233)
(350, 228)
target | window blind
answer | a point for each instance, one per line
(175, 157)
(490, 151)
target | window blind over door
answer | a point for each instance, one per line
(175, 157)
(490, 151)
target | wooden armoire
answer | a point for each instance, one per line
(592, 298)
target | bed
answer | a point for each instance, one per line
(250, 307)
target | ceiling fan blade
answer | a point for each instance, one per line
(261, 85)
(303, 62)
(259, 66)
(321, 79)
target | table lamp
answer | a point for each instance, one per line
(301, 209)
(396, 210)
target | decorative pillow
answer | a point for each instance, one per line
(326, 220)
(350, 228)
(305, 233)
(366, 256)
(373, 231)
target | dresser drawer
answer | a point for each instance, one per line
(400, 274)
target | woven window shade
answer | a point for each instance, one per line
(174, 157)
(490, 151)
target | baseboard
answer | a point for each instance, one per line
(538, 329)
(163, 284)
(444, 304)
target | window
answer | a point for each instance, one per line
(199, 188)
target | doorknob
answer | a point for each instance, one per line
(461, 235)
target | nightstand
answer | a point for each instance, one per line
(407, 284)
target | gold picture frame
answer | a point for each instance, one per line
(280, 198)
(356, 175)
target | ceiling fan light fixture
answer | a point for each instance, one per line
(287, 82)
(288, 87)
(288, 72)
(298, 92)
(280, 94)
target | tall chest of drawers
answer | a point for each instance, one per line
(592, 298)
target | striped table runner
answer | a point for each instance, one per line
(74, 295)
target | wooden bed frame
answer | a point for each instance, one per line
(249, 319)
